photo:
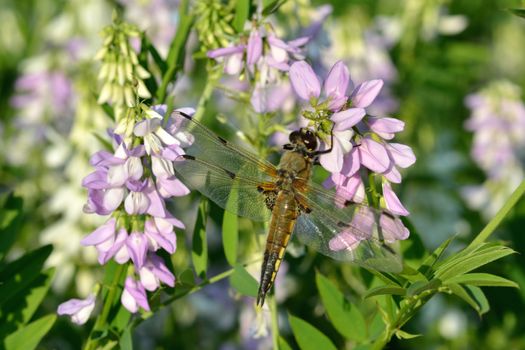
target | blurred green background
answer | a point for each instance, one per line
(432, 54)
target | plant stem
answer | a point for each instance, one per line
(109, 302)
(274, 322)
(211, 81)
(500, 215)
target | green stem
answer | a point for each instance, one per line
(109, 302)
(274, 322)
(175, 58)
(211, 81)
(500, 215)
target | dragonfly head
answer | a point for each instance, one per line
(304, 137)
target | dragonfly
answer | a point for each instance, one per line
(240, 182)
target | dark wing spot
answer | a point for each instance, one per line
(187, 156)
(184, 115)
(230, 174)
(390, 215)
(222, 140)
(342, 224)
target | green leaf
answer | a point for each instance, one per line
(345, 317)
(126, 342)
(472, 295)
(283, 345)
(426, 267)
(518, 12)
(483, 280)
(308, 337)
(19, 274)
(243, 282)
(242, 11)
(421, 286)
(271, 6)
(405, 335)
(177, 50)
(19, 311)
(230, 231)
(28, 337)
(385, 290)
(10, 220)
(472, 261)
(199, 252)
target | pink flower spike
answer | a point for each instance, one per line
(254, 49)
(346, 119)
(365, 93)
(159, 237)
(134, 295)
(137, 245)
(101, 234)
(393, 175)
(337, 81)
(78, 309)
(393, 229)
(351, 162)
(304, 81)
(117, 249)
(393, 204)
(402, 155)
(225, 51)
(374, 155)
(344, 241)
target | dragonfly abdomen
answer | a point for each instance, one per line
(284, 216)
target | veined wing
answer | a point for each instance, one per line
(353, 232)
(238, 193)
(213, 149)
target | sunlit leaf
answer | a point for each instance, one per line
(345, 317)
(308, 337)
(472, 295)
(230, 232)
(283, 345)
(472, 261)
(483, 280)
(27, 338)
(199, 252)
(421, 286)
(243, 282)
(10, 219)
(405, 335)
(385, 290)
(242, 12)
(426, 267)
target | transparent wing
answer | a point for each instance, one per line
(353, 232)
(236, 193)
(213, 149)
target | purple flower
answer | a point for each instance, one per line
(134, 296)
(153, 272)
(137, 244)
(78, 309)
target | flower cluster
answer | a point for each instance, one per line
(121, 74)
(497, 120)
(265, 58)
(359, 144)
(131, 185)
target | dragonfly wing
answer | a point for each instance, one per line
(235, 192)
(354, 233)
(213, 149)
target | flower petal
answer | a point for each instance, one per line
(365, 93)
(304, 81)
(337, 81)
(402, 155)
(225, 51)
(254, 49)
(393, 204)
(78, 309)
(351, 163)
(374, 155)
(348, 118)
(101, 234)
(385, 125)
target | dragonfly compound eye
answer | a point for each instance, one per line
(309, 139)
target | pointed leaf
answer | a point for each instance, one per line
(125, 342)
(28, 337)
(385, 290)
(518, 12)
(283, 345)
(345, 317)
(199, 252)
(472, 295)
(405, 335)
(242, 12)
(10, 220)
(426, 267)
(230, 231)
(472, 261)
(308, 337)
(243, 282)
(421, 286)
(483, 280)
